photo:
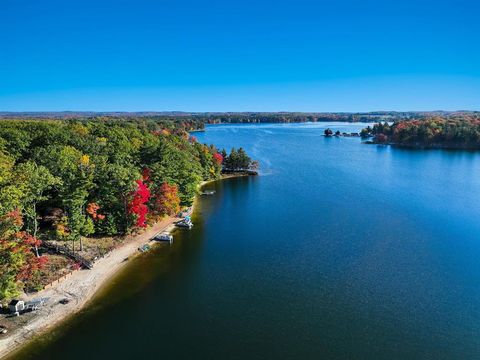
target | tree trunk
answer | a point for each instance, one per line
(35, 227)
(81, 244)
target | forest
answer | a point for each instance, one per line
(197, 120)
(435, 132)
(66, 180)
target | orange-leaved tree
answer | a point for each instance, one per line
(166, 200)
(18, 262)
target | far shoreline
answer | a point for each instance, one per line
(452, 147)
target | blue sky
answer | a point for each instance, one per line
(263, 55)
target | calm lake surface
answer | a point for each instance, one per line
(339, 250)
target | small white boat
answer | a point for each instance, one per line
(164, 237)
(186, 223)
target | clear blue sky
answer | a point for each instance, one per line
(262, 55)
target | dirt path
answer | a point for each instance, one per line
(82, 285)
(78, 288)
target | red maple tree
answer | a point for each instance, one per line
(137, 206)
(218, 158)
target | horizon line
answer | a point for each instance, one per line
(229, 111)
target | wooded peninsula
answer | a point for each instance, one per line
(435, 132)
(76, 181)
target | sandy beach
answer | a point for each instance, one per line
(82, 285)
(79, 288)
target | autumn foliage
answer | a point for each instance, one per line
(218, 158)
(72, 179)
(26, 243)
(459, 133)
(138, 204)
(18, 262)
(163, 132)
(146, 173)
(166, 200)
(92, 210)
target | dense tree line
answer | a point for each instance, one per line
(171, 120)
(231, 118)
(100, 177)
(196, 121)
(237, 160)
(190, 121)
(432, 132)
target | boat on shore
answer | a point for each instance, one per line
(185, 223)
(164, 237)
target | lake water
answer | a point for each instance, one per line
(339, 250)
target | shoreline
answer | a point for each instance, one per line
(82, 285)
(79, 288)
(433, 146)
